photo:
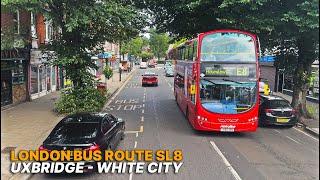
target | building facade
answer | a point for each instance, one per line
(15, 57)
(25, 71)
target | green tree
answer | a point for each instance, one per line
(276, 23)
(159, 43)
(84, 26)
(146, 55)
(289, 24)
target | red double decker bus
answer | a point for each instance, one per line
(216, 80)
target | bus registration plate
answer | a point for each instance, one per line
(227, 128)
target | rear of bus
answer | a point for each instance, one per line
(227, 78)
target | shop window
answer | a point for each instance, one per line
(18, 76)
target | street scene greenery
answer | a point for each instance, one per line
(290, 31)
(283, 24)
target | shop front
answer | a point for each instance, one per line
(43, 76)
(13, 77)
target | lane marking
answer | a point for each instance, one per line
(141, 129)
(226, 162)
(135, 144)
(142, 119)
(143, 105)
(277, 131)
(119, 90)
(130, 177)
(293, 140)
(137, 134)
(306, 134)
(131, 132)
(142, 111)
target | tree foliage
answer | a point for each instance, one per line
(159, 43)
(134, 46)
(83, 27)
(275, 22)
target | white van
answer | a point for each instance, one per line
(143, 65)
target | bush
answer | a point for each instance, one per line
(80, 100)
(108, 72)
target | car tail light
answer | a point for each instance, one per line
(94, 147)
(269, 111)
(42, 148)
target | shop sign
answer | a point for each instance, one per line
(35, 57)
(11, 54)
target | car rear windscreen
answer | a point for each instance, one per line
(74, 132)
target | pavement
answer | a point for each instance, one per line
(25, 126)
(154, 121)
(309, 125)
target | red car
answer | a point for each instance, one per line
(149, 78)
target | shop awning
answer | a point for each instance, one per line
(104, 55)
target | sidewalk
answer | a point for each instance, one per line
(26, 125)
(311, 125)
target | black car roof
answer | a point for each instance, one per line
(84, 118)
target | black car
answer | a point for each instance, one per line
(86, 131)
(275, 110)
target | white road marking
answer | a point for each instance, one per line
(143, 105)
(293, 140)
(142, 119)
(130, 177)
(131, 132)
(226, 162)
(135, 144)
(137, 134)
(119, 90)
(306, 134)
(142, 111)
(141, 129)
(277, 131)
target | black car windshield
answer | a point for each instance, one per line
(279, 104)
(74, 132)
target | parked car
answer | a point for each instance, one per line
(149, 78)
(169, 72)
(136, 63)
(167, 65)
(143, 65)
(86, 131)
(151, 65)
(277, 111)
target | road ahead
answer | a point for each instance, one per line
(154, 121)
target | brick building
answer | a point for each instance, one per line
(25, 73)
(15, 40)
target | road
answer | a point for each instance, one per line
(154, 121)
